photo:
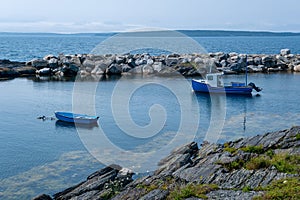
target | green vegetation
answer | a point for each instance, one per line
(234, 165)
(192, 190)
(112, 189)
(249, 149)
(229, 149)
(246, 189)
(258, 163)
(287, 163)
(281, 189)
(282, 162)
(253, 149)
(148, 188)
(297, 136)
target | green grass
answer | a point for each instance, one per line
(246, 189)
(297, 136)
(281, 189)
(253, 149)
(147, 188)
(287, 163)
(282, 162)
(258, 163)
(192, 190)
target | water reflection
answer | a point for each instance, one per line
(220, 113)
(62, 124)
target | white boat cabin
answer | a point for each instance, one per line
(215, 80)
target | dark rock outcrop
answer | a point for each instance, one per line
(190, 166)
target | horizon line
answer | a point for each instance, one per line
(179, 30)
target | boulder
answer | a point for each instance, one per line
(70, 70)
(75, 60)
(297, 68)
(88, 63)
(25, 71)
(257, 60)
(8, 72)
(171, 61)
(150, 62)
(42, 197)
(53, 63)
(126, 68)
(48, 57)
(224, 63)
(148, 69)
(157, 66)
(137, 70)
(131, 62)
(39, 64)
(114, 69)
(198, 60)
(44, 72)
(120, 59)
(97, 70)
(96, 183)
(284, 52)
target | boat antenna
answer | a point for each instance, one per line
(246, 71)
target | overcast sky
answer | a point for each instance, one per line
(66, 16)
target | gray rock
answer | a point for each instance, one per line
(114, 69)
(148, 69)
(39, 64)
(53, 63)
(94, 183)
(156, 194)
(70, 70)
(126, 68)
(27, 70)
(232, 195)
(44, 72)
(224, 63)
(137, 70)
(297, 68)
(157, 66)
(42, 197)
(88, 63)
(257, 61)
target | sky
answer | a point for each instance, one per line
(71, 16)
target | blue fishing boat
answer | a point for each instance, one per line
(76, 118)
(213, 83)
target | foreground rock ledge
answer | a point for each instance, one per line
(188, 165)
(165, 65)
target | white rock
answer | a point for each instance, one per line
(284, 52)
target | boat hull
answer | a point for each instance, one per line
(76, 118)
(206, 88)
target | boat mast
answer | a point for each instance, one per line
(246, 72)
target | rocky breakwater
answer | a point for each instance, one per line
(185, 64)
(261, 167)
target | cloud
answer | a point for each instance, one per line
(64, 27)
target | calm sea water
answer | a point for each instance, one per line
(27, 47)
(47, 156)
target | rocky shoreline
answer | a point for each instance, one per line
(260, 167)
(185, 64)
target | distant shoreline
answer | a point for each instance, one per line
(190, 33)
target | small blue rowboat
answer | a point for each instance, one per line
(76, 118)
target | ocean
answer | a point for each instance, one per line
(48, 156)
